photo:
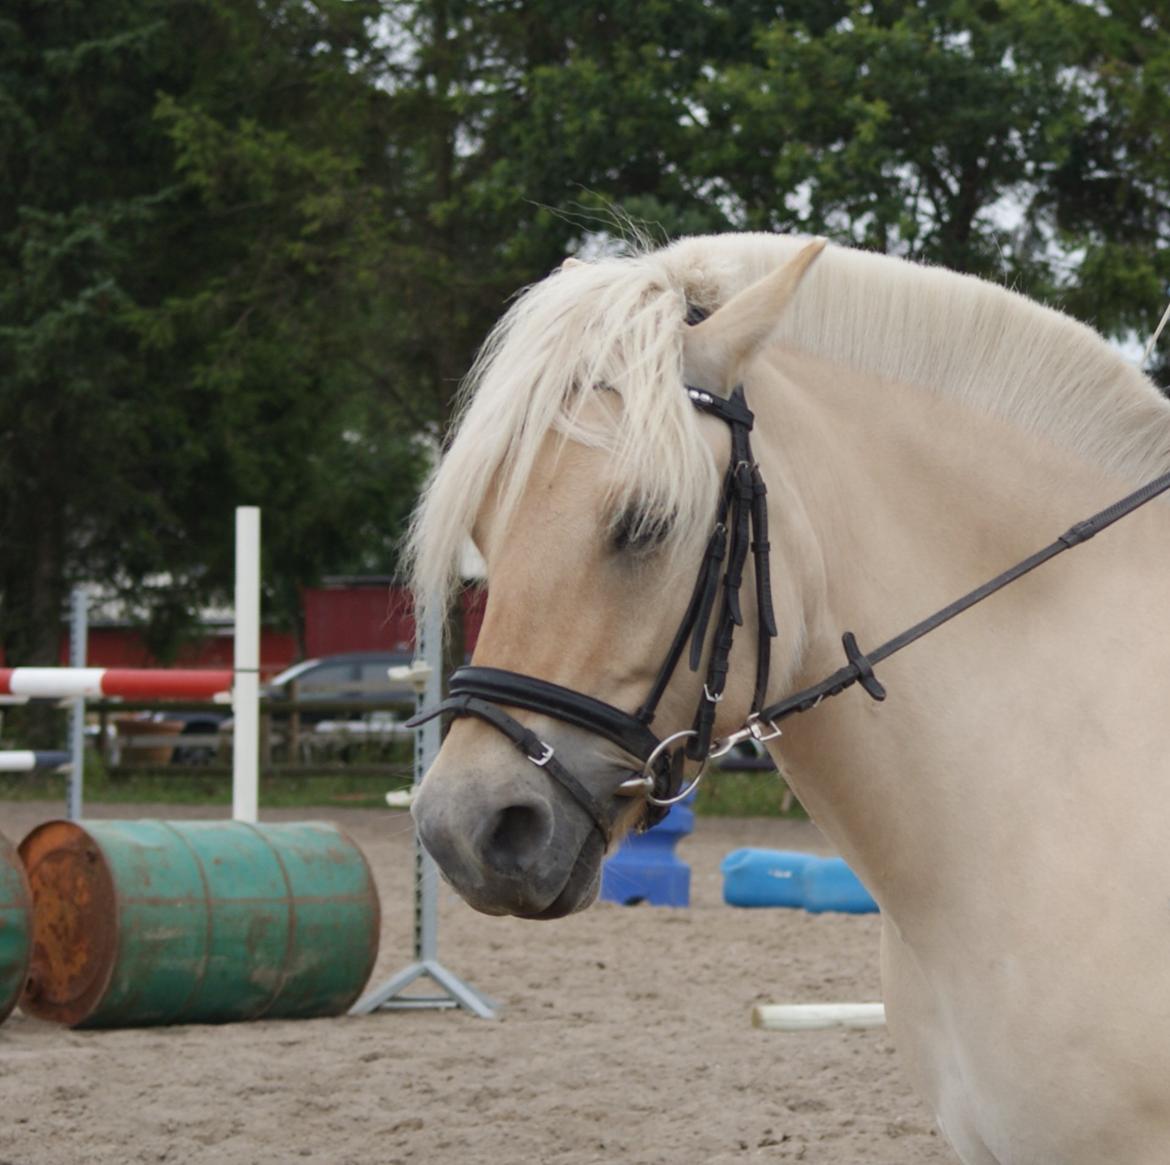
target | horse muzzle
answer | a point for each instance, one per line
(509, 844)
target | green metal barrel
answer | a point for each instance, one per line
(145, 922)
(15, 927)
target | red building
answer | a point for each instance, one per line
(355, 614)
(345, 614)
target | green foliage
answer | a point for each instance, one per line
(249, 247)
(1021, 140)
(1112, 195)
(901, 126)
(1015, 139)
(190, 248)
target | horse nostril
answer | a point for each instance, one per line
(516, 838)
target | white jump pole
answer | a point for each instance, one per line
(799, 1017)
(246, 685)
(23, 760)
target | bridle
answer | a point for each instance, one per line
(741, 527)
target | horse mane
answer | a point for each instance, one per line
(614, 325)
(618, 323)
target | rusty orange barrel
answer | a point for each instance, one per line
(15, 927)
(146, 922)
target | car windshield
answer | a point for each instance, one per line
(348, 678)
(327, 679)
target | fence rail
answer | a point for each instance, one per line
(295, 736)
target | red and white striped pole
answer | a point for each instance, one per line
(63, 683)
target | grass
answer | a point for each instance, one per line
(722, 794)
(746, 794)
(357, 789)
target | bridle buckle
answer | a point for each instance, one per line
(755, 729)
(544, 758)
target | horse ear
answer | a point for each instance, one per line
(571, 262)
(713, 349)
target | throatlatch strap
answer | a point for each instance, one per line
(766, 623)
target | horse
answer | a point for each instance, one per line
(917, 430)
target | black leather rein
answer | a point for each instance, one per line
(741, 527)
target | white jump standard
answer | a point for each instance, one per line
(240, 685)
(452, 991)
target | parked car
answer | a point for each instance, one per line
(353, 676)
(202, 727)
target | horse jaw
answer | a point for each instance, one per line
(714, 349)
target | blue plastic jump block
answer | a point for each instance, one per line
(645, 867)
(770, 877)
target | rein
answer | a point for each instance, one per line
(859, 668)
(741, 527)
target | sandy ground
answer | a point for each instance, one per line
(624, 1038)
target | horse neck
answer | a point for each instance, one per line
(913, 500)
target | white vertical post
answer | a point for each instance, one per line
(428, 647)
(453, 991)
(78, 636)
(246, 687)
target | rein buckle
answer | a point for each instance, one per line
(753, 729)
(757, 732)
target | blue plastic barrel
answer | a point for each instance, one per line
(767, 877)
(645, 867)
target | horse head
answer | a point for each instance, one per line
(590, 483)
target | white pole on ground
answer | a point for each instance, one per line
(798, 1017)
(78, 637)
(246, 685)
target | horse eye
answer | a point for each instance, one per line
(638, 531)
